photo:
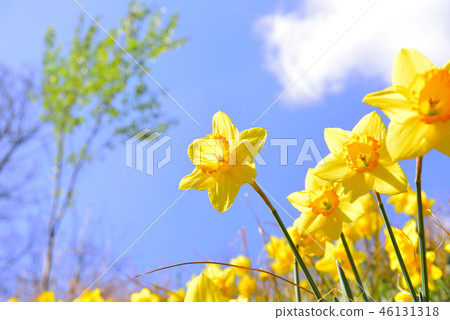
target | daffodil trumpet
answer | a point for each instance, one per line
(299, 259)
(421, 231)
(354, 268)
(396, 249)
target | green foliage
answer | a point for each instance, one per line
(96, 86)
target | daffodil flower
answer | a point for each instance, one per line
(407, 240)
(47, 296)
(335, 252)
(360, 161)
(403, 296)
(145, 296)
(366, 226)
(282, 255)
(324, 207)
(312, 245)
(407, 202)
(203, 289)
(223, 161)
(418, 105)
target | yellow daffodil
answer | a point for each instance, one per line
(47, 296)
(312, 245)
(360, 161)
(407, 239)
(447, 247)
(283, 258)
(223, 161)
(177, 296)
(418, 105)
(434, 272)
(241, 261)
(247, 286)
(324, 206)
(407, 202)
(240, 299)
(91, 296)
(335, 252)
(264, 276)
(145, 296)
(13, 299)
(203, 289)
(366, 226)
(403, 296)
(224, 279)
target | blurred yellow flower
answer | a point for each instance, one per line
(366, 226)
(335, 252)
(224, 161)
(312, 245)
(407, 202)
(447, 247)
(434, 273)
(324, 207)
(247, 286)
(418, 105)
(224, 279)
(241, 261)
(264, 276)
(240, 299)
(177, 296)
(13, 299)
(407, 239)
(203, 289)
(360, 161)
(145, 296)
(279, 250)
(46, 296)
(403, 296)
(91, 296)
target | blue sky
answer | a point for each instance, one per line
(223, 67)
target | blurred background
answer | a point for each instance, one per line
(72, 214)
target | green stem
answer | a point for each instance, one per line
(299, 259)
(421, 231)
(298, 295)
(355, 270)
(396, 249)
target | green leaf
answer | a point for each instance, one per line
(344, 283)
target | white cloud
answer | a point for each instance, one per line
(293, 41)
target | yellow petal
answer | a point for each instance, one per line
(300, 201)
(313, 182)
(389, 179)
(250, 143)
(331, 168)
(407, 140)
(222, 125)
(393, 102)
(447, 65)
(435, 272)
(371, 125)
(308, 223)
(407, 64)
(223, 193)
(438, 136)
(352, 211)
(203, 289)
(335, 138)
(242, 174)
(198, 180)
(331, 225)
(357, 184)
